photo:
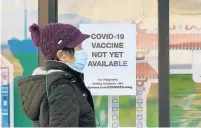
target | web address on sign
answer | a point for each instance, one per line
(110, 87)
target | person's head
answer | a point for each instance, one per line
(61, 42)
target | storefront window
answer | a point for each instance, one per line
(137, 110)
(130, 111)
(185, 56)
(18, 54)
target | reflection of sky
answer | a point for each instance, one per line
(13, 14)
(13, 24)
(13, 18)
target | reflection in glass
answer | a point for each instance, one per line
(140, 110)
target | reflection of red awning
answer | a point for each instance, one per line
(186, 45)
(181, 41)
(144, 70)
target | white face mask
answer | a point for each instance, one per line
(81, 60)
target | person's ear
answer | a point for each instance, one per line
(60, 55)
(78, 47)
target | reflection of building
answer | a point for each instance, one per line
(182, 46)
(184, 40)
(177, 41)
(146, 75)
(113, 111)
(7, 117)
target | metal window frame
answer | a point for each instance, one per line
(47, 13)
(53, 11)
(163, 51)
(163, 63)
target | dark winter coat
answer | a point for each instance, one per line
(57, 97)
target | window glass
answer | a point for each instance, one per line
(185, 64)
(17, 53)
(142, 109)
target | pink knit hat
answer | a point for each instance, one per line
(56, 36)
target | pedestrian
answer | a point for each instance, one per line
(55, 95)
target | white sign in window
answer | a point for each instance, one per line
(111, 49)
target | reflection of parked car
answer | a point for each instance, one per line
(177, 41)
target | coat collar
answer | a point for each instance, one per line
(57, 65)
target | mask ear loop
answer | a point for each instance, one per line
(46, 86)
(47, 91)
